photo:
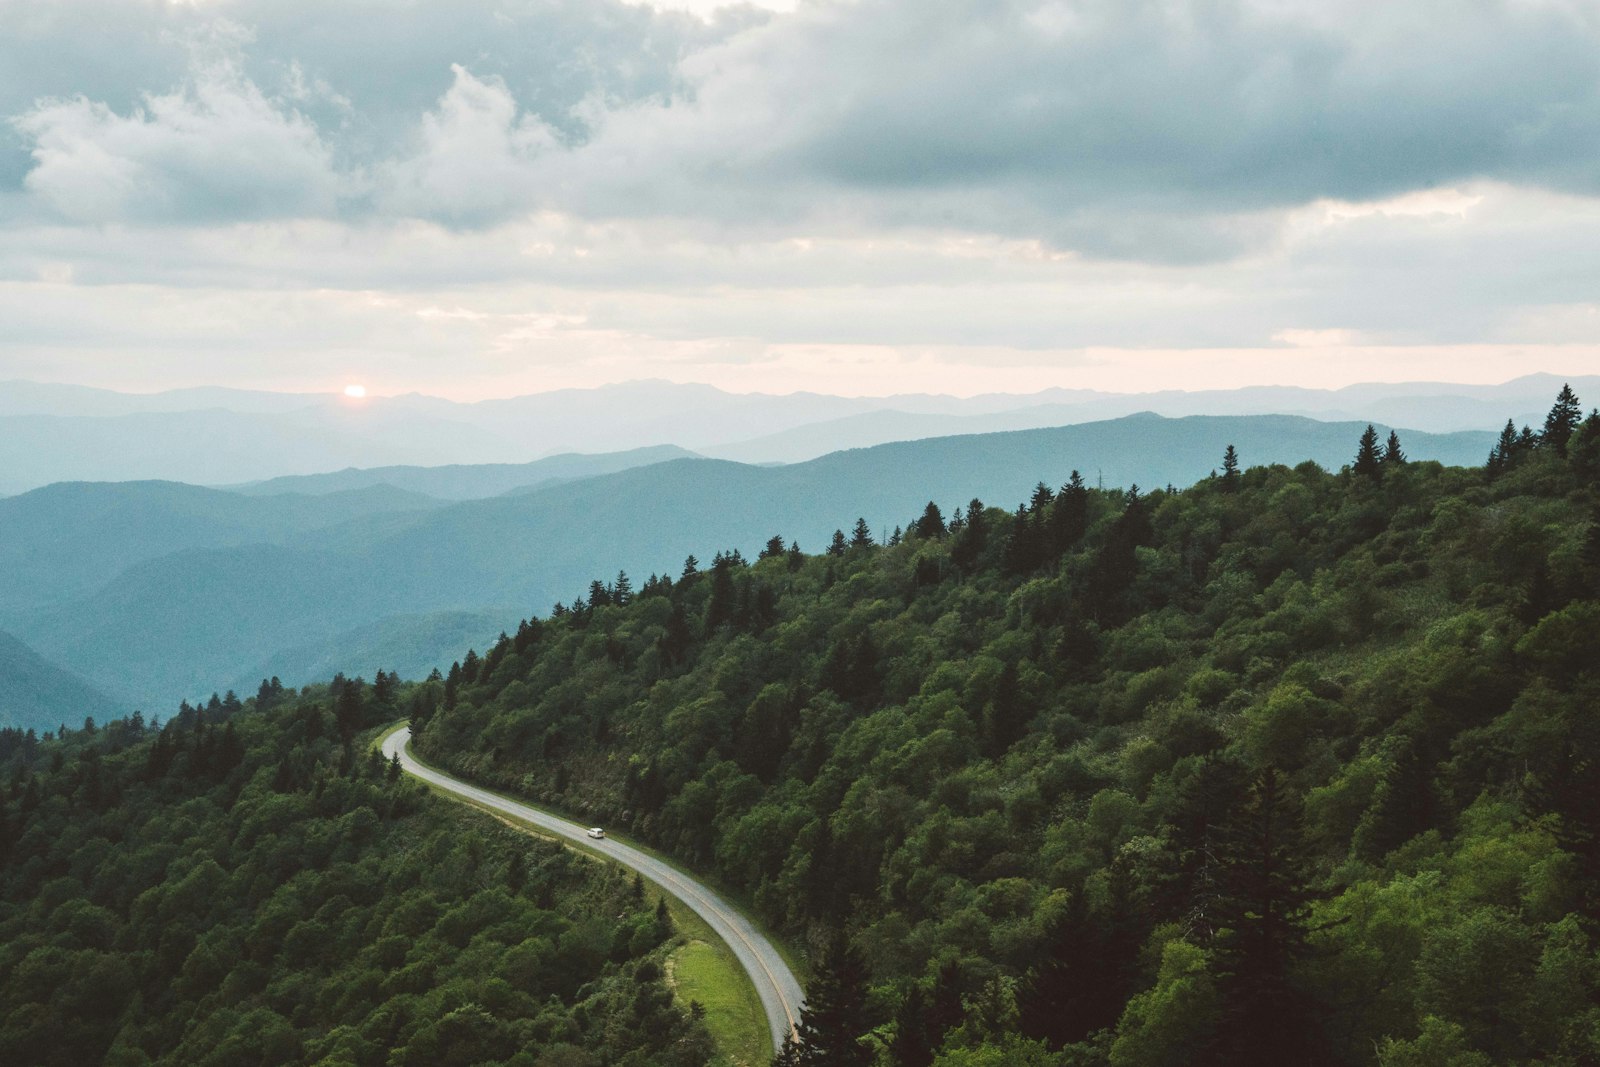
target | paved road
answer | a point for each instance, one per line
(780, 993)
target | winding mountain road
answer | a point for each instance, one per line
(780, 993)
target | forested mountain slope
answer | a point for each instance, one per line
(251, 884)
(170, 627)
(1289, 767)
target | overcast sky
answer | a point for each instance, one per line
(486, 197)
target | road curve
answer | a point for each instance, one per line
(780, 993)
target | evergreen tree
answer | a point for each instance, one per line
(834, 1022)
(861, 535)
(774, 548)
(1069, 519)
(1230, 470)
(1261, 911)
(837, 546)
(1504, 452)
(931, 524)
(1393, 457)
(974, 536)
(622, 590)
(691, 567)
(1368, 464)
(912, 1044)
(1562, 420)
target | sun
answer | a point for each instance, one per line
(355, 392)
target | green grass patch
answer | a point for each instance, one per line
(704, 971)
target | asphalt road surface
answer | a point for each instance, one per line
(780, 994)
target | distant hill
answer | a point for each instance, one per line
(35, 694)
(51, 433)
(1422, 407)
(464, 481)
(180, 625)
(409, 645)
(65, 540)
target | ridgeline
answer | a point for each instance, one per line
(1293, 766)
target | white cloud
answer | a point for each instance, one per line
(477, 157)
(216, 148)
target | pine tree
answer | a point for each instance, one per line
(622, 590)
(1069, 519)
(1230, 470)
(973, 537)
(1562, 420)
(774, 548)
(1393, 457)
(1368, 464)
(911, 1045)
(691, 567)
(1504, 452)
(834, 1020)
(931, 524)
(1261, 909)
(861, 535)
(837, 546)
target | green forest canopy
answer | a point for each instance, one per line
(1290, 767)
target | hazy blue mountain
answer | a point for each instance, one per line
(65, 540)
(1423, 406)
(181, 624)
(48, 398)
(38, 694)
(411, 645)
(222, 437)
(468, 482)
(218, 446)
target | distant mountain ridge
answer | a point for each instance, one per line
(466, 481)
(183, 623)
(51, 433)
(36, 694)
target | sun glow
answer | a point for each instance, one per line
(355, 392)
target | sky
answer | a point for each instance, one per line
(490, 197)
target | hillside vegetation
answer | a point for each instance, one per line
(247, 884)
(218, 603)
(1294, 766)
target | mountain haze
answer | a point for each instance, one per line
(467, 481)
(177, 625)
(38, 695)
(228, 437)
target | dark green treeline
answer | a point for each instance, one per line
(250, 883)
(1294, 766)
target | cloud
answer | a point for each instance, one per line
(1162, 129)
(477, 157)
(1165, 130)
(215, 149)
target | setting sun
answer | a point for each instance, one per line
(355, 392)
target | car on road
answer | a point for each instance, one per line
(596, 832)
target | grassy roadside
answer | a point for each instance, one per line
(701, 968)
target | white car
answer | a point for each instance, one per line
(596, 832)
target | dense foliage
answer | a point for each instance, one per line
(1294, 766)
(252, 885)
